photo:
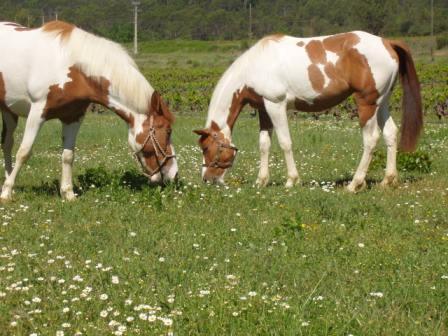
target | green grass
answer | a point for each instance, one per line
(239, 260)
(235, 260)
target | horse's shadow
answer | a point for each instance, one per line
(131, 180)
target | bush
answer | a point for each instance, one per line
(442, 41)
(419, 161)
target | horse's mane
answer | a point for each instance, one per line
(98, 57)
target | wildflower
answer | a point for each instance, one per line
(78, 278)
(104, 313)
(60, 333)
(167, 322)
(104, 297)
(115, 279)
(377, 294)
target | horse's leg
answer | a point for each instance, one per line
(265, 144)
(69, 133)
(370, 134)
(390, 138)
(33, 124)
(277, 113)
(9, 126)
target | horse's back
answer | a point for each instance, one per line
(29, 63)
(330, 66)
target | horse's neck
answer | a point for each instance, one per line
(131, 103)
(222, 110)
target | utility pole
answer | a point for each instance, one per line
(43, 17)
(432, 30)
(432, 18)
(135, 4)
(56, 15)
(250, 20)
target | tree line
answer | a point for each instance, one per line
(229, 19)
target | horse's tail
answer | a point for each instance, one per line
(412, 120)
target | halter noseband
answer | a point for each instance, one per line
(158, 151)
(216, 160)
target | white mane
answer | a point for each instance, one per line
(99, 57)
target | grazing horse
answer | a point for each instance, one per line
(56, 71)
(313, 74)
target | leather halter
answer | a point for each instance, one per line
(157, 149)
(216, 160)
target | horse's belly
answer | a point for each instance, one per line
(320, 103)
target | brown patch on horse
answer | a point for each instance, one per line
(60, 28)
(240, 98)
(70, 102)
(161, 126)
(316, 77)
(209, 142)
(341, 42)
(18, 27)
(351, 73)
(162, 133)
(316, 52)
(158, 106)
(128, 118)
(301, 43)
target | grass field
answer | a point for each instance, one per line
(193, 259)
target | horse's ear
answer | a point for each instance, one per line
(215, 127)
(155, 103)
(202, 132)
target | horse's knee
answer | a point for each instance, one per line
(390, 132)
(23, 154)
(67, 157)
(285, 144)
(265, 141)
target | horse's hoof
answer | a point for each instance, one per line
(356, 188)
(68, 196)
(389, 181)
(292, 181)
(5, 200)
(262, 181)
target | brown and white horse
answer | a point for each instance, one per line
(56, 71)
(313, 74)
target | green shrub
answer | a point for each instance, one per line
(419, 161)
(442, 41)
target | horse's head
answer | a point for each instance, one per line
(150, 137)
(218, 153)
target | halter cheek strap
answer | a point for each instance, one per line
(146, 171)
(216, 163)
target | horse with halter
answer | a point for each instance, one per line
(56, 71)
(313, 74)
